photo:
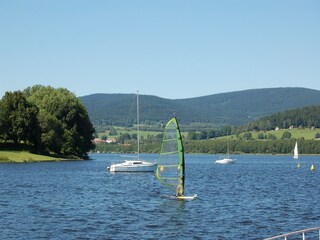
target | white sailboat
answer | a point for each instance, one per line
(295, 151)
(134, 165)
(226, 160)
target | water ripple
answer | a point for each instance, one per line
(258, 197)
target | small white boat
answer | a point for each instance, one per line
(225, 161)
(133, 166)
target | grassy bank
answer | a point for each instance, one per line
(24, 156)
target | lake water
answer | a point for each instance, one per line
(258, 197)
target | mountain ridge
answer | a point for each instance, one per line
(232, 108)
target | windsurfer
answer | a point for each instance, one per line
(179, 189)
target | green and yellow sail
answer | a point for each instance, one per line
(170, 169)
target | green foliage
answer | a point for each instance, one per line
(306, 117)
(249, 143)
(192, 136)
(218, 146)
(261, 136)
(271, 136)
(124, 137)
(51, 132)
(286, 135)
(72, 125)
(52, 120)
(18, 119)
(113, 132)
(247, 136)
(104, 137)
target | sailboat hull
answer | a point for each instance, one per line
(225, 161)
(133, 166)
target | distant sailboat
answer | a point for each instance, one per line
(226, 160)
(295, 151)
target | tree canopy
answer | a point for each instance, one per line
(51, 120)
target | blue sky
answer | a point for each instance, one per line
(169, 48)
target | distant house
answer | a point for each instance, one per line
(111, 140)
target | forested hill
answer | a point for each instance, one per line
(306, 117)
(234, 108)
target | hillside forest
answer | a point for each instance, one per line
(263, 136)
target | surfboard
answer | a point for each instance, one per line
(187, 197)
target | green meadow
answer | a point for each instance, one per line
(307, 134)
(24, 156)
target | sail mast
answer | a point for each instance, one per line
(138, 135)
(181, 157)
(228, 145)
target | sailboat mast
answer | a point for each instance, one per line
(228, 144)
(138, 135)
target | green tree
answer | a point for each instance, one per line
(247, 136)
(123, 137)
(66, 121)
(261, 136)
(286, 135)
(51, 132)
(192, 136)
(104, 137)
(113, 132)
(18, 119)
(202, 135)
(211, 134)
(271, 136)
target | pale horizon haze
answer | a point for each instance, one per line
(171, 49)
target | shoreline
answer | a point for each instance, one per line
(27, 157)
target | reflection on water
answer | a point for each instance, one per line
(259, 196)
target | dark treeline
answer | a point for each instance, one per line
(47, 120)
(306, 117)
(280, 146)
